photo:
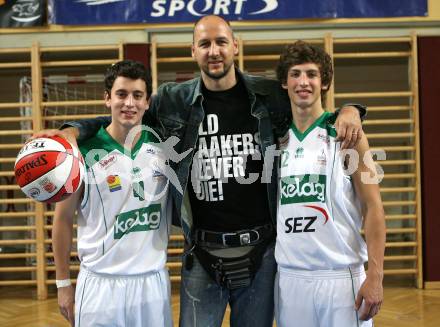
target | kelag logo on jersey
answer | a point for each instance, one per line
(303, 188)
(139, 220)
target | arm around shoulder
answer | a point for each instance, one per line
(349, 124)
(86, 128)
(62, 234)
(366, 181)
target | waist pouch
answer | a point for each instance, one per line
(236, 272)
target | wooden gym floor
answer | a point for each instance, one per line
(404, 306)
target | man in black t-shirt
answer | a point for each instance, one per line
(232, 259)
(227, 165)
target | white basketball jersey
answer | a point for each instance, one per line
(123, 221)
(319, 217)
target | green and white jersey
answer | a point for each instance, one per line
(319, 216)
(123, 219)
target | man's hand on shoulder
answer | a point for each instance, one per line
(70, 134)
(349, 127)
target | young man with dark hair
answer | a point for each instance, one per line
(225, 118)
(123, 219)
(326, 196)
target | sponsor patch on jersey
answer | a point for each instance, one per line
(139, 220)
(107, 162)
(303, 188)
(136, 173)
(324, 137)
(114, 183)
(150, 150)
(322, 160)
(321, 210)
(299, 153)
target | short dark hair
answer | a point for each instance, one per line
(302, 52)
(130, 69)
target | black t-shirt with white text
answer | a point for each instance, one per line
(225, 188)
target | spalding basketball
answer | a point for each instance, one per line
(49, 169)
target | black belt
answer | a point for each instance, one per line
(234, 239)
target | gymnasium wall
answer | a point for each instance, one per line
(353, 75)
(56, 35)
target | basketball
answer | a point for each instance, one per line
(49, 169)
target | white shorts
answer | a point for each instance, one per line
(108, 300)
(318, 298)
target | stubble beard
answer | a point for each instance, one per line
(219, 75)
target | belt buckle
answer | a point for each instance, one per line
(224, 237)
(245, 238)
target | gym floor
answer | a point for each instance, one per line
(404, 306)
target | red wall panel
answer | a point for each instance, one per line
(139, 52)
(429, 97)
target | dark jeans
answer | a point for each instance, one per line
(203, 302)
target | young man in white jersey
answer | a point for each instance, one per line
(122, 217)
(325, 198)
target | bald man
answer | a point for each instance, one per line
(227, 194)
